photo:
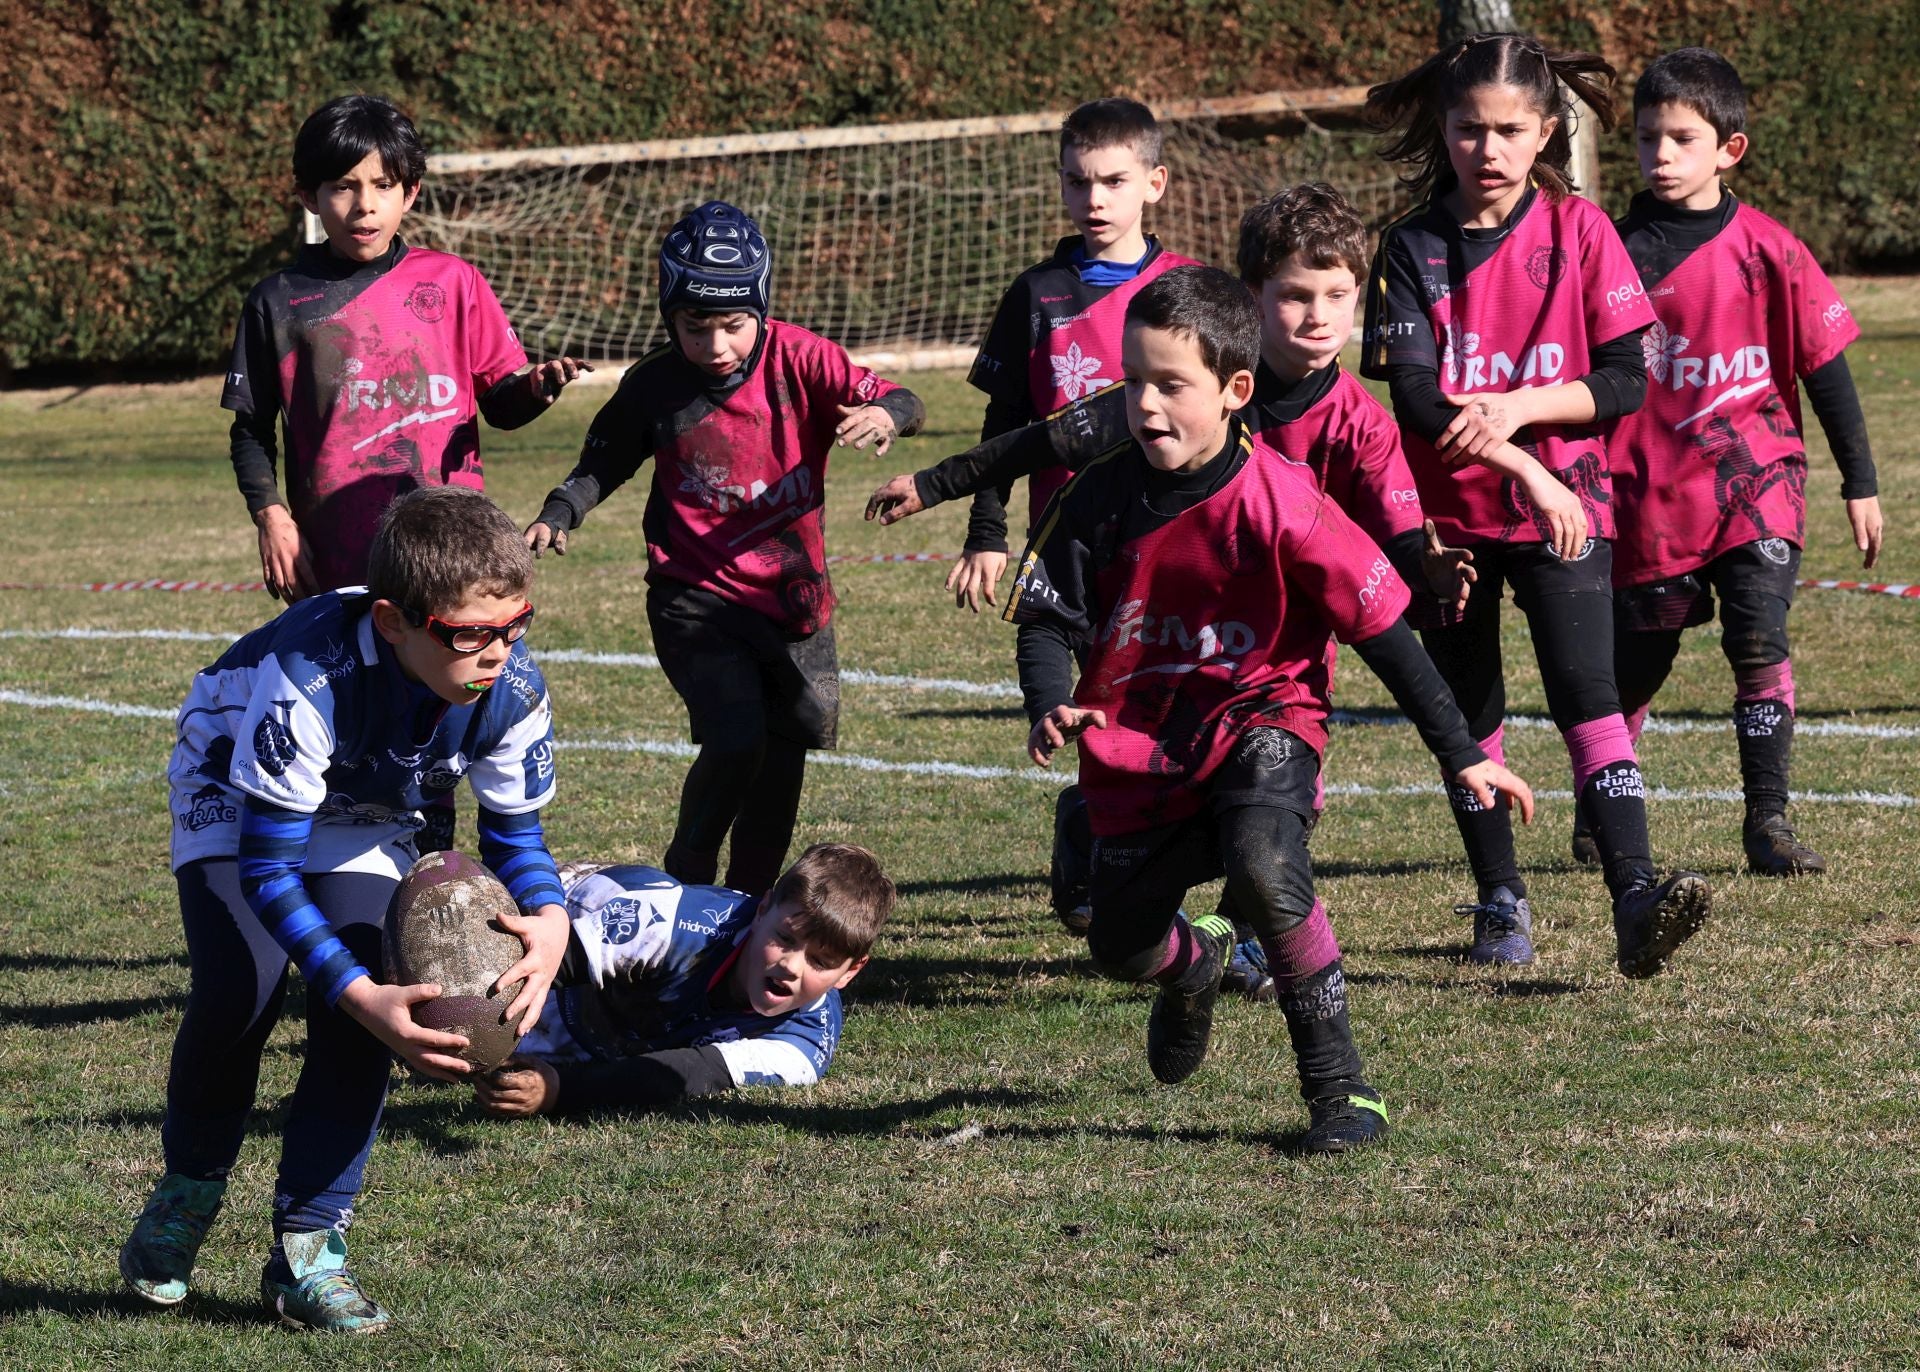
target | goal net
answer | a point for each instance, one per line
(893, 239)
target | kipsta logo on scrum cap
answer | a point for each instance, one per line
(715, 257)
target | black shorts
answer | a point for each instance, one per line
(728, 662)
(1143, 876)
(1755, 580)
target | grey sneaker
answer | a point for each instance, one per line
(312, 1289)
(157, 1258)
(1502, 929)
(1650, 922)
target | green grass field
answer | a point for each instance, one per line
(1717, 1168)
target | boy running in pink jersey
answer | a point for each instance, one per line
(739, 412)
(1199, 577)
(1303, 253)
(1505, 316)
(1710, 475)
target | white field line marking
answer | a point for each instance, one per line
(97, 707)
(1010, 690)
(678, 748)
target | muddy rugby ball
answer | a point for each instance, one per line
(444, 926)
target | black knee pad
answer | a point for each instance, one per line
(1269, 872)
(1748, 648)
(1122, 962)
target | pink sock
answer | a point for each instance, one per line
(1773, 682)
(1306, 948)
(1598, 743)
(1180, 952)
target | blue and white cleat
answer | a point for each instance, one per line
(1246, 974)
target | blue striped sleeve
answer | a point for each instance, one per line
(273, 849)
(515, 848)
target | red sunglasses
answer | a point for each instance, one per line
(471, 638)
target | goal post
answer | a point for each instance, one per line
(895, 240)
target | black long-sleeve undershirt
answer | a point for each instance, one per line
(1045, 655)
(1398, 659)
(1618, 384)
(646, 1082)
(1836, 404)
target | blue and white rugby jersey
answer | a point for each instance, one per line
(311, 712)
(650, 954)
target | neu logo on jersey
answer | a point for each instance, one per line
(1622, 296)
(1377, 576)
(1130, 623)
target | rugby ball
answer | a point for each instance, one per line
(444, 926)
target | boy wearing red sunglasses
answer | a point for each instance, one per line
(305, 756)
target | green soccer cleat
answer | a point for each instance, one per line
(313, 1290)
(157, 1258)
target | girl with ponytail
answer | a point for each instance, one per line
(1505, 316)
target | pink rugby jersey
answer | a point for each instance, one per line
(1352, 444)
(1055, 339)
(1714, 458)
(1498, 313)
(739, 478)
(376, 371)
(1202, 625)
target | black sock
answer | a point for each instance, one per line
(1488, 835)
(763, 830)
(1614, 801)
(690, 868)
(1323, 1046)
(1765, 731)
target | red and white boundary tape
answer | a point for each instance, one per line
(1902, 591)
(1876, 587)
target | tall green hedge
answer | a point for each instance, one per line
(145, 186)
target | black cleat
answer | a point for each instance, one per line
(1343, 1120)
(1650, 922)
(1585, 851)
(1182, 1018)
(1774, 850)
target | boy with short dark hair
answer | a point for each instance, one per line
(305, 756)
(739, 412)
(1303, 253)
(1710, 474)
(372, 355)
(1203, 576)
(1056, 334)
(671, 992)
